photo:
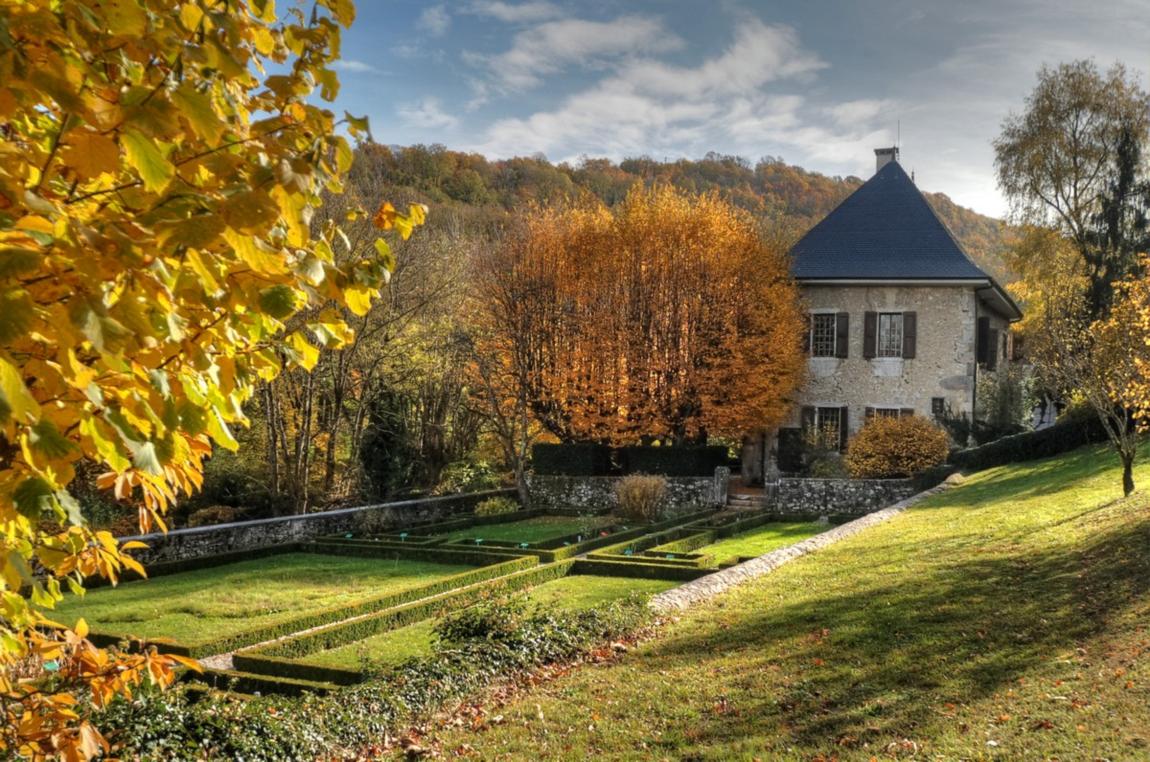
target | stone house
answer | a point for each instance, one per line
(901, 321)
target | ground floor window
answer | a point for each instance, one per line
(824, 428)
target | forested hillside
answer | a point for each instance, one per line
(393, 412)
(788, 198)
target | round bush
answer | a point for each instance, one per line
(888, 448)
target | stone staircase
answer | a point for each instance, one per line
(747, 501)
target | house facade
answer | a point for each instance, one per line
(901, 321)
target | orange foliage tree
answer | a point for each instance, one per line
(667, 318)
(157, 231)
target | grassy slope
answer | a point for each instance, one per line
(532, 530)
(207, 603)
(1005, 619)
(574, 592)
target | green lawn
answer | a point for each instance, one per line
(574, 592)
(202, 605)
(1005, 619)
(762, 539)
(538, 529)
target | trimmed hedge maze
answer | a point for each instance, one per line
(334, 611)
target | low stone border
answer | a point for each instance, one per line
(711, 585)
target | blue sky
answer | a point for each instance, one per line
(818, 82)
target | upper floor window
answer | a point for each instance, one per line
(829, 334)
(823, 335)
(889, 334)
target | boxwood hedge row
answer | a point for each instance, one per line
(344, 632)
(327, 616)
(639, 570)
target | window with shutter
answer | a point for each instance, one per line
(890, 334)
(842, 334)
(992, 349)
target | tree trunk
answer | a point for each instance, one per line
(521, 486)
(1127, 474)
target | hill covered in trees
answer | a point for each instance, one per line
(789, 199)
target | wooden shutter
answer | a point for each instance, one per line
(991, 348)
(909, 334)
(870, 335)
(807, 335)
(982, 340)
(842, 334)
(906, 412)
(843, 428)
(808, 418)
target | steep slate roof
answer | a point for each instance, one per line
(884, 230)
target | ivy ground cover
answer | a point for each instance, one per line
(569, 593)
(1003, 619)
(212, 603)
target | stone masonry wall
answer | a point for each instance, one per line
(240, 536)
(944, 362)
(596, 494)
(825, 497)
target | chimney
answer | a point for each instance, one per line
(884, 156)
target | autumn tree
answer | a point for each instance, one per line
(158, 234)
(667, 318)
(1074, 160)
(1104, 363)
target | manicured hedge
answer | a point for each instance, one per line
(443, 554)
(575, 459)
(342, 633)
(638, 570)
(688, 543)
(245, 682)
(677, 562)
(673, 461)
(1032, 445)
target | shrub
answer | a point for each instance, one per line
(571, 459)
(641, 496)
(464, 476)
(495, 506)
(895, 447)
(674, 460)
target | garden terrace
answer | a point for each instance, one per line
(347, 652)
(215, 609)
(1011, 609)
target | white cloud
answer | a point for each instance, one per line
(553, 46)
(646, 106)
(434, 20)
(354, 66)
(516, 13)
(428, 114)
(852, 112)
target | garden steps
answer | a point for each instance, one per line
(743, 501)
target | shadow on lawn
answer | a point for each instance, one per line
(883, 662)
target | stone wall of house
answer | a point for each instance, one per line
(596, 494)
(829, 497)
(242, 536)
(944, 362)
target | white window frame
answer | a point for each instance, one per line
(833, 315)
(880, 349)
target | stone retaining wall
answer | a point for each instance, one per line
(596, 494)
(239, 536)
(824, 497)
